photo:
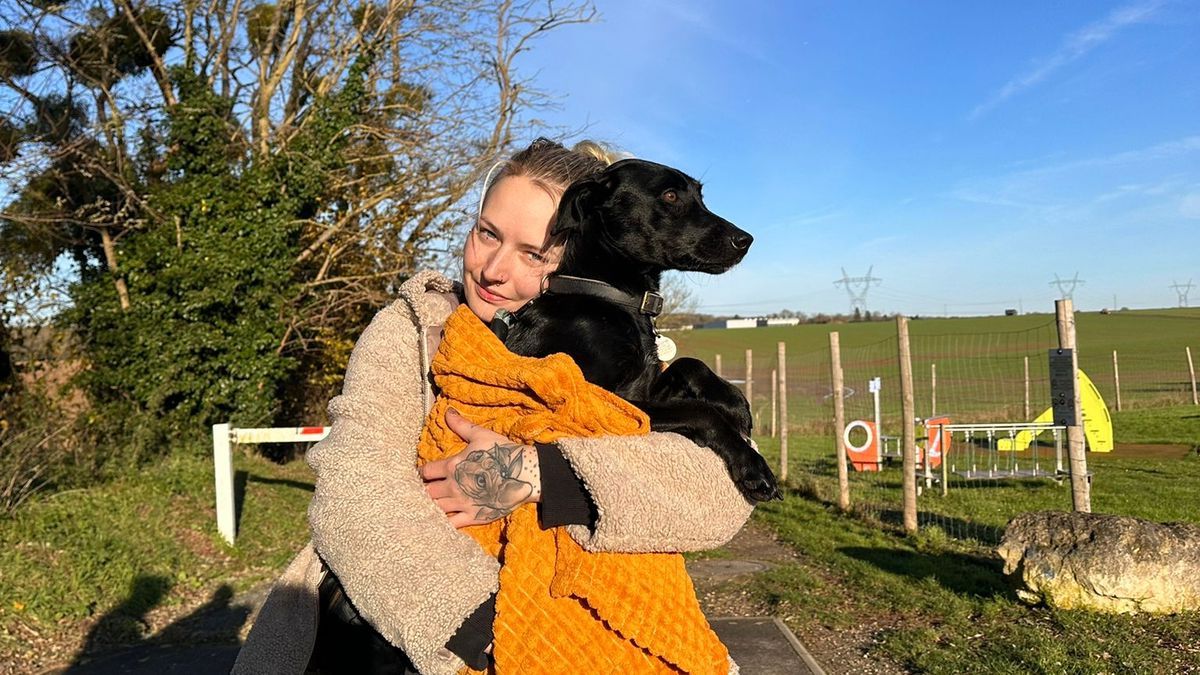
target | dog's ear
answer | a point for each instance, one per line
(578, 204)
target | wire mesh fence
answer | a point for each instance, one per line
(985, 444)
(1131, 381)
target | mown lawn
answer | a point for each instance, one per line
(149, 541)
(948, 607)
(1173, 425)
(142, 542)
(1160, 334)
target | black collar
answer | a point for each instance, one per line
(649, 303)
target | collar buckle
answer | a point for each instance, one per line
(652, 303)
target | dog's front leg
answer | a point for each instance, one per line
(689, 379)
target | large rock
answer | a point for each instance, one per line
(1106, 563)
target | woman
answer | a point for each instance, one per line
(389, 536)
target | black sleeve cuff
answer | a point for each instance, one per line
(475, 635)
(565, 500)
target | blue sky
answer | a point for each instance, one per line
(966, 153)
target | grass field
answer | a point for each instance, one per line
(944, 607)
(980, 364)
(143, 543)
(140, 544)
(940, 597)
(1156, 482)
(1158, 334)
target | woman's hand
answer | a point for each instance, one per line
(486, 481)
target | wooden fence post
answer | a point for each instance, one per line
(783, 414)
(1081, 493)
(1026, 387)
(839, 419)
(750, 379)
(1117, 379)
(1192, 372)
(908, 417)
(774, 401)
(932, 389)
(717, 365)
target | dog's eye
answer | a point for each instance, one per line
(670, 196)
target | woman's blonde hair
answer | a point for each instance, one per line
(551, 166)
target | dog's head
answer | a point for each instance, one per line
(650, 214)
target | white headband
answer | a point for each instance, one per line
(487, 179)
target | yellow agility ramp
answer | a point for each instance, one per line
(1097, 424)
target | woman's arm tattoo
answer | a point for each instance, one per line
(490, 478)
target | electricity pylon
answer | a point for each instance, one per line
(1182, 291)
(857, 287)
(1066, 287)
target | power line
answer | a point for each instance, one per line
(857, 287)
(1182, 291)
(1066, 287)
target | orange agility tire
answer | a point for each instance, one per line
(863, 457)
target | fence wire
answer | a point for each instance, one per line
(971, 479)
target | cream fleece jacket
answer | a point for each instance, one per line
(407, 571)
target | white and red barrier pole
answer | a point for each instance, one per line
(224, 436)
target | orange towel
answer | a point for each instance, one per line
(561, 609)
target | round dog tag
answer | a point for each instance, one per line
(666, 347)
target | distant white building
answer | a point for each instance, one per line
(732, 323)
(752, 322)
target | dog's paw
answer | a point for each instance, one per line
(760, 489)
(754, 478)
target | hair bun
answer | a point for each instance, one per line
(602, 152)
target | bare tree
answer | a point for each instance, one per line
(679, 300)
(84, 88)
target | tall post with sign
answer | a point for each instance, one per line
(874, 386)
(1064, 393)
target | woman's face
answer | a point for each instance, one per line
(507, 252)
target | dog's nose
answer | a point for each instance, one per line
(741, 240)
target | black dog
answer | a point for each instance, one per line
(623, 229)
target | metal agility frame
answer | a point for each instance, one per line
(990, 433)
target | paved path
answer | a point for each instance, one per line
(764, 646)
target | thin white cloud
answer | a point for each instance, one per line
(1074, 47)
(1189, 206)
(1017, 188)
(1169, 186)
(1157, 152)
(723, 35)
(814, 217)
(1099, 202)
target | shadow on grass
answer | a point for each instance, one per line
(239, 498)
(240, 478)
(299, 485)
(953, 527)
(963, 574)
(204, 641)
